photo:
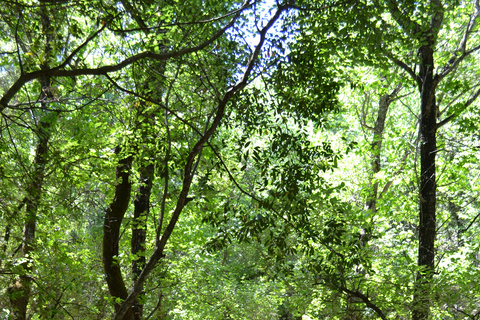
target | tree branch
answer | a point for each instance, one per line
(236, 11)
(462, 47)
(402, 19)
(454, 115)
(60, 72)
(77, 50)
(365, 300)
(409, 70)
(293, 6)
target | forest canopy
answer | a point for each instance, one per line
(290, 160)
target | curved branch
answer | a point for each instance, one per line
(474, 97)
(236, 11)
(80, 47)
(365, 300)
(453, 63)
(409, 70)
(60, 72)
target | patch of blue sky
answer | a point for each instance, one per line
(247, 34)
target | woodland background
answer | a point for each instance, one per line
(205, 159)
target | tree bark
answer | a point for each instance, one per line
(19, 292)
(111, 231)
(142, 208)
(427, 194)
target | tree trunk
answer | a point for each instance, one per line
(427, 194)
(383, 105)
(145, 155)
(139, 229)
(142, 208)
(111, 231)
(19, 292)
(371, 202)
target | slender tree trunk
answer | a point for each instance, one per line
(139, 229)
(19, 292)
(111, 232)
(427, 194)
(375, 165)
(426, 36)
(383, 105)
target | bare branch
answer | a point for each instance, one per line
(461, 52)
(454, 115)
(365, 300)
(409, 70)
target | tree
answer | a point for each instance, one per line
(44, 121)
(427, 34)
(171, 115)
(441, 35)
(153, 154)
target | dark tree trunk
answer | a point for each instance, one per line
(111, 231)
(139, 229)
(426, 36)
(140, 215)
(19, 292)
(427, 223)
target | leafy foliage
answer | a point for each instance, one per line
(229, 160)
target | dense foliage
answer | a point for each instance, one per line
(227, 160)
